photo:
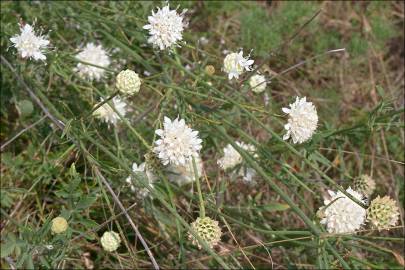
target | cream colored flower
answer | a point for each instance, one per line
(177, 143)
(302, 121)
(208, 229)
(30, 45)
(128, 82)
(107, 114)
(365, 185)
(235, 64)
(110, 241)
(184, 174)
(143, 171)
(342, 215)
(383, 213)
(258, 83)
(165, 28)
(95, 55)
(59, 225)
(232, 157)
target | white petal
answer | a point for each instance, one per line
(286, 110)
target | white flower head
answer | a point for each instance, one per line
(106, 113)
(302, 121)
(177, 143)
(30, 45)
(128, 82)
(232, 157)
(235, 64)
(95, 55)
(258, 83)
(110, 241)
(341, 214)
(165, 27)
(184, 174)
(248, 175)
(143, 171)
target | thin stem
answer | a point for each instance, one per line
(200, 197)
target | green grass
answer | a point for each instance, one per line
(48, 171)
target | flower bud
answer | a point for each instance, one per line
(365, 185)
(110, 241)
(59, 225)
(258, 83)
(210, 70)
(128, 82)
(208, 230)
(382, 213)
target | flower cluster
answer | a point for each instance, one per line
(110, 241)
(165, 28)
(208, 229)
(258, 83)
(128, 82)
(94, 59)
(177, 143)
(142, 171)
(365, 185)
(232, 158)
(184, 174)
(29, 44)
(383, 213)
(302, 121)
(235, 64)
(107, 113)
(342, 215)
(59, 225)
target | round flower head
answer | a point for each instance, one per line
(107, 114)
(184, 174)
(235, 64)
(94, 55)
(177, 143)
(143, 171)
(258, 83)
(247, 174)
(302, 120)
(208, 229)
(210, 70)
(59, 225)
(110, 241)
(365, 185)
(382, 213)
(342, 215)
(232, 157)
(30, 45)
(128, 82)
(165, 27)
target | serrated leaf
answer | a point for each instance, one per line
(88, 223)
(29, 264)
(7, 248)
(86, 202)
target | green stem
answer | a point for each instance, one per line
(200, 197)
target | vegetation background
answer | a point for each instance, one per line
(46, 172)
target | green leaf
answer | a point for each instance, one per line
(88, 223)
(272, 207)
(25, 108)
(86, 202)
(66, 130)
(29, 264)
(7, 248)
